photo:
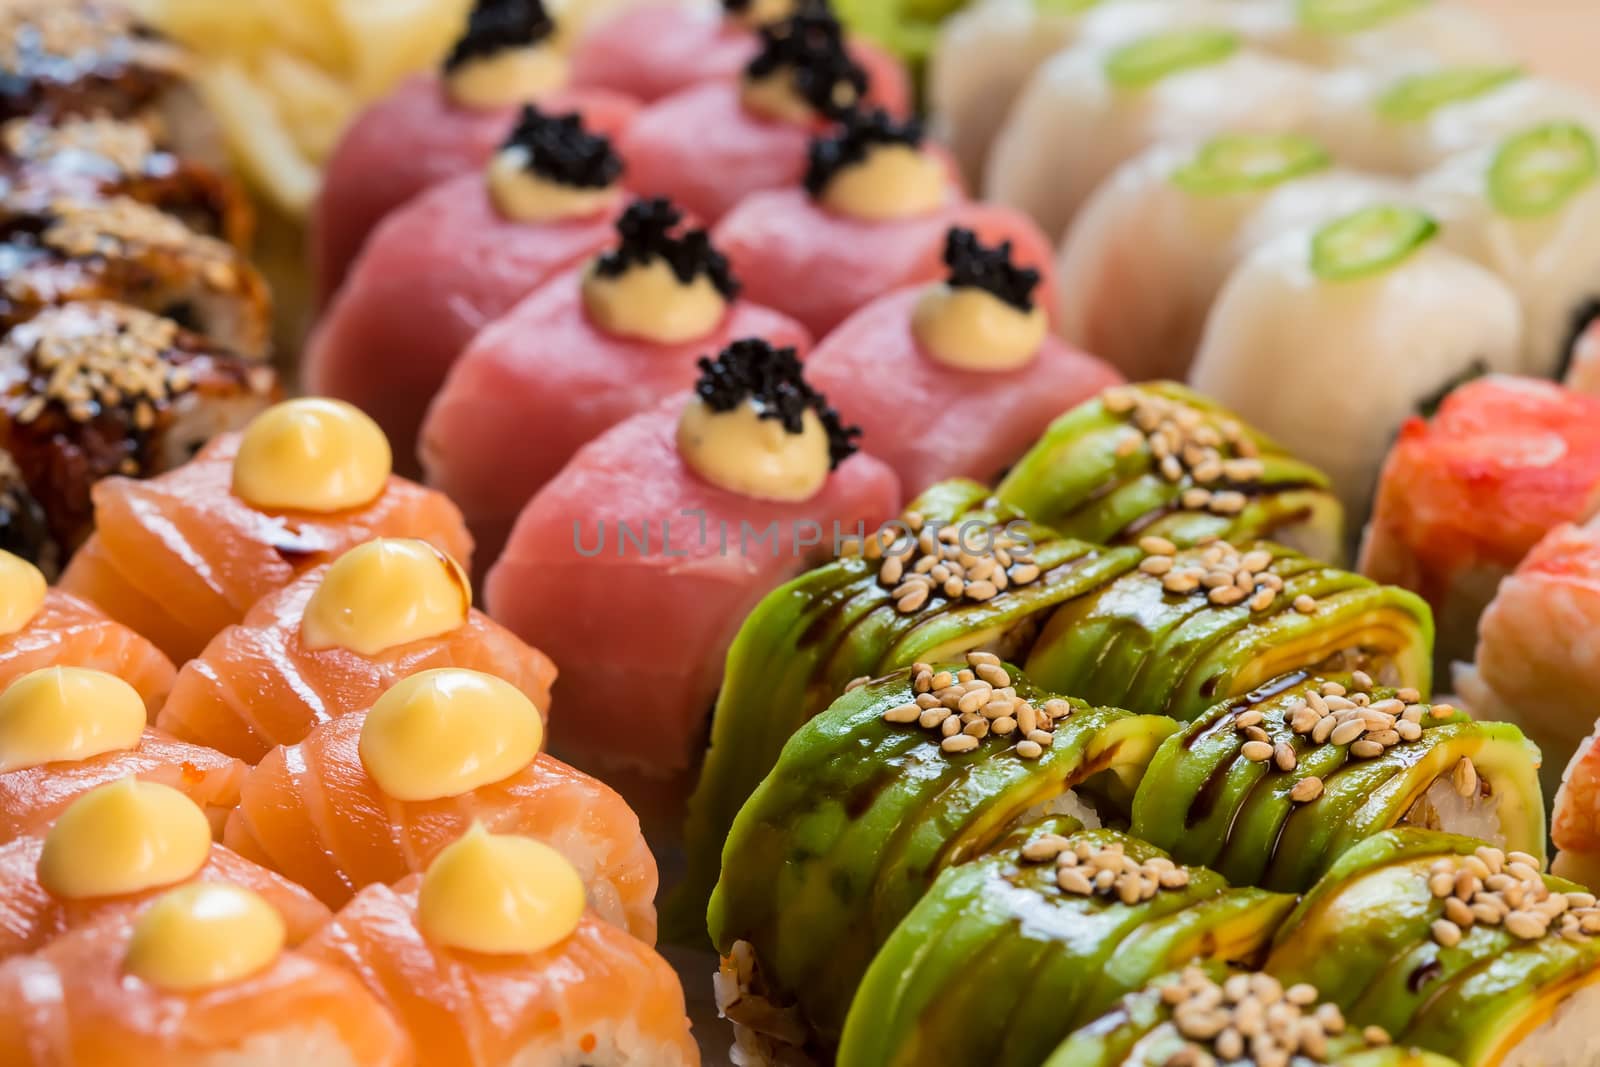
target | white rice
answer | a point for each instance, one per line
(616, 1044)
(1068, 803)
(1442, 808)
(1567, 1038)
(318, 1044)
(765, 1032)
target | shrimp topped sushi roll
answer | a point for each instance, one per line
(436, 126)
(973, 355)
(491, 959)
(202, 977)
(333, 641)
(459, 256)
(182, 556)
(1390, 34)
(1366, 321)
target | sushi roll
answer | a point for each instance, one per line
(633, 567)
(1055, 925)
(375, 795)
(114, 849)
(605, 340)
(456, 257)
(434, 127)
(24, 528)
(490, 959)
(184, 555)
(1271, 788)
(973, 355)
(333, 641)
(1379, 320)
(1144, 260)
(94, 388)
(1157, 460)
(201, 978)
(1451, 945)
(65, 731)
(120, 250)
(1390, 34)
(1583, 373)
(870, 800)
(1467, 493)
(1092, 107)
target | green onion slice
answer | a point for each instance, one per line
(1352, 16)
(1537, 171)
(1243, 162)
(1415, 98)
(1064, 7)
(1369, 242)
(1150, 59)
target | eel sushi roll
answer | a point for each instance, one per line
(202, 977)
(184, 555)
(333, 641)
(1390, 34)
(1370, 318)
(456, 257)
(633, 567)
(123, 251)
(870, 800)
(973, 355)
(376, 795)
(1157, 460)
(116, 848)
(24, 527)
(1467, 493)
(490, 959)
(1055, 925)
(603, 341)
(95, 388)
(1271, 788)
(1093, 106)
(1453, 946)
(436, 126)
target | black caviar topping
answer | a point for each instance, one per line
(560, 149)
(496, 25)
(859, 133)
(751, 369)
(647, 229)
(972, 266)
(811, 45)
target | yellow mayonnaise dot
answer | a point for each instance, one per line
(202, 936)
(123, 838)
(648, 301)
(774, 96)
(67, 713)
(893, 182)
(510, 76)
(384, 594)
(755, 457)
(446, 732)
(312, 454)
(761, 12)
(973, 329)
(22, 589)
(501, 894)
(521, 195)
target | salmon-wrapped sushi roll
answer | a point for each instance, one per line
(333, 641)
(490, 959)
(182, 556)
(436, 126)
(202, 977)
(374, 796)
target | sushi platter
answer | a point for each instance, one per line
(799, 533)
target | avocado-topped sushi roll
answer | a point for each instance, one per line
(1272, 787)
(1055, 926)
(1157, 459)
(1454, 946)
(1328, 339)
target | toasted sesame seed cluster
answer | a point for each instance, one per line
(87, 371)
(1507, 890)
(33, 28)
(1213, 458)
(109, 227)
(1253, 1015)
(939, 562)
(962, 708)
(1087, 869)
(125, 145)
(1224, 574)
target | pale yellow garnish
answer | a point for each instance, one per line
(500, 894)
(312, 454)
(57, 714)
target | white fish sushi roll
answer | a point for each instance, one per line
(1528, 209)
(1145, 258)
(1389, 34)
(1093, 106)
(1328, 339)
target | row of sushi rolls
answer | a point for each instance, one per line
(1163, 593)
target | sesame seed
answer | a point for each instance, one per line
(959, 743)
(1029, 749)
(1366, 748)
(1306, 790)
(1465, 778)
(1256, 751)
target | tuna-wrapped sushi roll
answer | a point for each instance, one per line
(899, 779)
(1453, 946)
(1271, 788)
(973, 355)
(1376, 319)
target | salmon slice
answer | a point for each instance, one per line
(67, 631)
(600, 997)
(31, 918)
(30, 799)
(313, 814)
(72, 1005)
(179, 557)
(256, 685)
